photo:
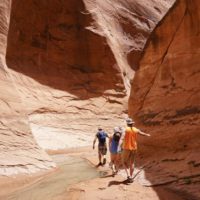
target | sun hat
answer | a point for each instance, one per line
(100, 129)
(116, 129)
(129, 121)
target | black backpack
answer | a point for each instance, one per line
(116, 136)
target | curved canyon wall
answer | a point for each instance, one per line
(72, 65)
(126, 25)
(68, 79)
(71, 79)
(165, 99)
(19, 153)
(66, 75)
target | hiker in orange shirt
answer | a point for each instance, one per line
(130, 148)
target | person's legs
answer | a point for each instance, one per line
(125, 155)
(104, 152)
(100, 154)
(100, 157)
(104, 159)
(111, 159)
(112, 162)
(116, 163)
(132, 163)
(126, 169)
(131, 168)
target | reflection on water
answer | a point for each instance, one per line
(71, 170)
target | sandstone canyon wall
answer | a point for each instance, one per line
(70, 79)
(65, 74)
(19, 153)
(126, 25)
(72, 64)
(165, 99)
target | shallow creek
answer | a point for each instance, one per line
(71, 170)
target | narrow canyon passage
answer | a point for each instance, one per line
(68, 67)
(65, 74)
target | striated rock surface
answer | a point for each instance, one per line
(19, 153)
(71, 65)
(71, 79)
(165, 99)
(66, 75)
(126, 25)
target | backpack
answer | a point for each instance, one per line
(116, 136)
(102, 137)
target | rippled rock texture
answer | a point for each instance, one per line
(71, 67)
(165, 97)
(66, 75)
(71, 79)
(19, 153)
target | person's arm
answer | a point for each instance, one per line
(107, 135)
(121, 141)
(94, 141)
(110, 140)
(143, 133)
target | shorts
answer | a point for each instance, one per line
(102, 149)
(128, 156)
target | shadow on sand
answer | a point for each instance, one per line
(125, 182)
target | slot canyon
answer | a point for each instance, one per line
(68, 67)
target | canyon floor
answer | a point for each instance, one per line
(77, 178)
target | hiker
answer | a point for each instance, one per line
(130, 148)
(102, 146)
(115, 150)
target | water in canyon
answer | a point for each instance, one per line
(70, 170)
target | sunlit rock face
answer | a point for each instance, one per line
(66, 75)
(71, 63)
(19, 153)
(165, 97)
(72, 79)
(126, 25)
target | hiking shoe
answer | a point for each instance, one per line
(116, 172)
(113, 174)
(129, 179)
(99, 164)
(110, 165)
(104, 161)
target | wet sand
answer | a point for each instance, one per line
(77, 178)
(70, 170)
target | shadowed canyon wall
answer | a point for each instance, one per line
(165, 99)
(65, 74)
(19, 153)
(71, 79)
(72, 63)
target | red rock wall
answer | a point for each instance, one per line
(19, 153)
(126, 25)
(67, 76)
(71, 79)
(165, 98)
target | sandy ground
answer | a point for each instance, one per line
(106, 187)
(109, 188)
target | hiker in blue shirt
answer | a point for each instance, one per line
(101, 135)
(115, 150)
